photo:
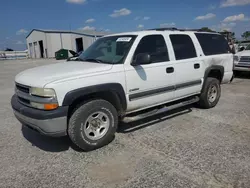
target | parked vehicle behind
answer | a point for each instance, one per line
(123, 77)
(242, 60)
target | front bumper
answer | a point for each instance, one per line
(242, 66)
(50, 123)
(238, 68)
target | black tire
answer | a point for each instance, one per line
(79, 119)
(204, 101)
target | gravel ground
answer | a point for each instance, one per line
(187, 148)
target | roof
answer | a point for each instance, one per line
(79, 32)
(155, 31)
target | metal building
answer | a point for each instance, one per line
(44, 43)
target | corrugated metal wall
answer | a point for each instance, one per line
(53, 42)
(87, 41)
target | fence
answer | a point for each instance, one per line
(13, 55)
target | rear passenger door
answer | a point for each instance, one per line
(188, 67)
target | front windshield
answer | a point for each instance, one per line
(111, 50)
(248, 47)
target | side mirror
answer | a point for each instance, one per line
(72, 52)
(142, 59)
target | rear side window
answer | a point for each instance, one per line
(155, 46)
(213, 44)
(183, 47)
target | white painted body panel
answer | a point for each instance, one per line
(91, 76)
(147, 77)
(68, 76)
(185, 71)
(60, 72)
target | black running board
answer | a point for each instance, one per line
(129, 119)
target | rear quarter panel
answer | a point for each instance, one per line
(224, 60)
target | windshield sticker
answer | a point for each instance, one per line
(124, 39)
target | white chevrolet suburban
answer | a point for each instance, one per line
(122, 77)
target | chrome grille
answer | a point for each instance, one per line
(245, 59)
(24, 90)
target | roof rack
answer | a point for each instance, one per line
(165, 29)
(197, 30)
(189, 30)
(176, 29)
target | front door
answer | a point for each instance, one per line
(150, 84)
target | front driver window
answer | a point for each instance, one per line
(155, 46)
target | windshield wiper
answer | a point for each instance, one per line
(93, 60)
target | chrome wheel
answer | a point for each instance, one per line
(212, 93)
(96, 125)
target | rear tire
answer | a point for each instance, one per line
(93, 125)
(210, 94)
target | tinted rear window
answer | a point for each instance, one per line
(213, 44)
(183, 47)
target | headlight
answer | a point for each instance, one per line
(42, 92)
(45, 93)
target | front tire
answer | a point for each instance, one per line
(93, 124)
(210, 94)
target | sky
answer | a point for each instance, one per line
(19, 17)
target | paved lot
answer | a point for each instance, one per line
(188, 148)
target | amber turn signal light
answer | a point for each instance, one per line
(50, 106)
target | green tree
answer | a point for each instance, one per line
(246, 35)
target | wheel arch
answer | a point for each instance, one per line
(112, 92)
(216, 71)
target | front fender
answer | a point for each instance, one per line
(117, 88)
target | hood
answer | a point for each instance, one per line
(40, 76)
(243, 53)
